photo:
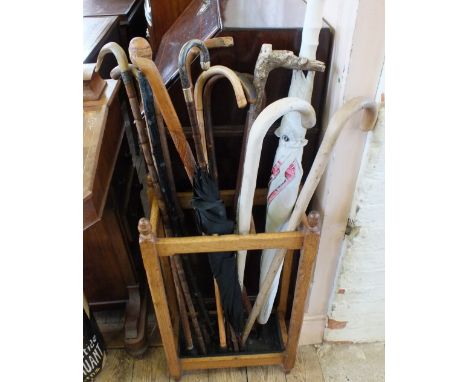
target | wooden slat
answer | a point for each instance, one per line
(285, 280)
(304, 277)
(204, 244)
(158, 294)
(227, 196)
(283, 329)
(231, 361)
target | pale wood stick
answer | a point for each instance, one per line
(219, 313)
(336, 125)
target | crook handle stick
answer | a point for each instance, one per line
(187, 88)
(336, 125)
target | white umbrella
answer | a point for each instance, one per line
(286, 173)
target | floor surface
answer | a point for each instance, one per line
(324, 363)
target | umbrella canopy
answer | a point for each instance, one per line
(212, 219)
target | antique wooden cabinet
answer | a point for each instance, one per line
(113, 277)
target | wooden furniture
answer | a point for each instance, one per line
(98, 31)
(156, 251)
(163, 15)
(112, 269)
(111, 20)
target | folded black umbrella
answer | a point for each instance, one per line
(212, 219)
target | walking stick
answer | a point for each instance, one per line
(204, 84)
(166, 107)
(187, 88)
(267, 61)
(164, 104)
(251, 97)
(260, 126)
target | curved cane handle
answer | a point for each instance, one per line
(252, 158)
(117, 51)
(184, 51)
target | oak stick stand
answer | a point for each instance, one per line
(156, 251)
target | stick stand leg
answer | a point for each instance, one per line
(304, 277)
(158, 295)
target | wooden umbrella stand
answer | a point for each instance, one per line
(157, 250)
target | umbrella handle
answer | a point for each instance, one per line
(335, 127)
(252, 158)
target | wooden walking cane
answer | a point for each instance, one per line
(125, 72)
(336, 125)
(251, 97)
(164, 103)
(214, 73)
(140, 47)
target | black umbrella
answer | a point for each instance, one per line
(212, 219)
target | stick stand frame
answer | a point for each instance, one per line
(156, 251)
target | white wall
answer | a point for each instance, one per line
(355, 69)
(357, 310)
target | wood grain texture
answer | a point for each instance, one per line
(307, 366)
(158, 294)
(208, 244)
(194, 376)
(151, 368)
(303, 280)
(231, 361)
(227, 375)
(118, 367)
(266, 374)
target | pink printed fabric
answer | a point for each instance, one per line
(286, 175)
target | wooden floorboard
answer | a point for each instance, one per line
(307, 367)
(151, 367)
(118, 367)
(227, 375)
(265, 374)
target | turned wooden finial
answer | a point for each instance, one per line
(139, 47)
(144, 227)
(313, 218)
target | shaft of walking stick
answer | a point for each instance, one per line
(191, 309)
(182, 308)
(219, 313)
